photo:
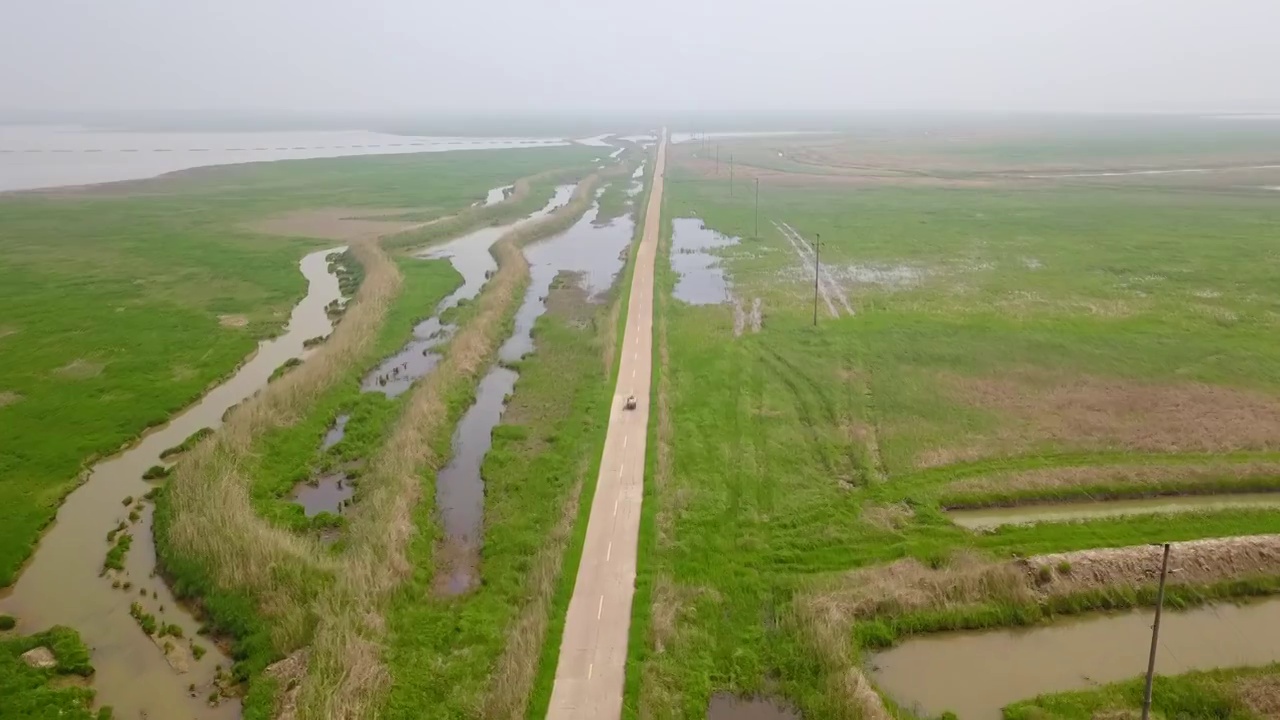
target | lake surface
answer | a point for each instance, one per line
(42, 156)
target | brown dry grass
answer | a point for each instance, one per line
(8, 397)
(79, 369)
(233, 321)
(1140, 477)
(887, 518)
(1098, 413)
(1261, 694)
(288, 673)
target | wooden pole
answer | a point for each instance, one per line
(1155, 637)
(817, 246)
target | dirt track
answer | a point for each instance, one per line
(593, 650)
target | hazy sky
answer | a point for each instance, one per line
(689, 55)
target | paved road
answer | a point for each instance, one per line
(593, 651)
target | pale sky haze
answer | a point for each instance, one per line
(416, 56)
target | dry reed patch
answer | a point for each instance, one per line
(907, 586)
(1140, 477)
(888, 518)
(288, 673)
(8, 397)
(79, 369)
(1261, 694)
(7, 330)
(1097, 413)
(233, 321)
(1196, 562)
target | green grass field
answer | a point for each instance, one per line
(998, 329)
(113, 298)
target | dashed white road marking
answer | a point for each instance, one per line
(608, 553)
(590, 668)
(600, 608)
(624, 440)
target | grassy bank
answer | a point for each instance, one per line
(1008, 341)
(1229, 694)
(142, 295)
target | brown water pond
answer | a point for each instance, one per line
(327, 493)
(975, 674)
(730, 707)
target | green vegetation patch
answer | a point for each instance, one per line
(1006, 328)
(29, 692)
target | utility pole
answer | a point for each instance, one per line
(717, 159)
(757, 233)
(1155, 637)
(730, 174)
(817, 246)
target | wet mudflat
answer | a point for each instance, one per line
(729, 707)
(470, 256)
(988, 518)
(975, 674)
(592, 253)
(64, 584)
(702, 279)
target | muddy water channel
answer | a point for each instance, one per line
(702, 279)
(594, 254)
(64, 583)
(976, 674)
(471, 258)
(989, 518)
(729, 707)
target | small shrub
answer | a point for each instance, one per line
(128, 500)
(155, 472)
(197, 651)
(7, 622)
(1064, 567)
(171, 630)
(1044, 574)
(146, 620)
(115, 556)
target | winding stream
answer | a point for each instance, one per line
(595, 253)
(63, 583)
(471, 258)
